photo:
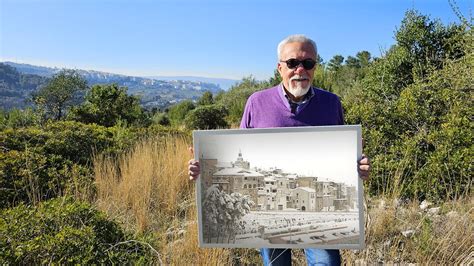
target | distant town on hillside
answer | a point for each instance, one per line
(18, 81)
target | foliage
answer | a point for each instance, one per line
(428, 42)
(415, 107)
(206, 117)
(160, 119)
(178, 112)
(276, 79)
(60, 93)
(38, 164)
(335, 63)
(234, 100)
(206, 99)
(322, 78)
(17, 118)
(107, 104)
(64, 231)
(342, 76)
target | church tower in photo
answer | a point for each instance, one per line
(240, 162)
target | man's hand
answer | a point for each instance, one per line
(193, 168)
(364, 167)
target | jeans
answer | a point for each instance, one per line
(279, 257)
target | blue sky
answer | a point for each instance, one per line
(219, 38)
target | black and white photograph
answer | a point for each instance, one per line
(280, 187)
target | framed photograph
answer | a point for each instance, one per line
(280, 187)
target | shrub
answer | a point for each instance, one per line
(64, 231)
(17, 118)
(206, 117)
(178, 112)
(234, 100)
(38, 164)
(32, 176)
(415, 106)
(107, 104)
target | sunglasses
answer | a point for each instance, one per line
(294, 63)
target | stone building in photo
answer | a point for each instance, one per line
(274, 190)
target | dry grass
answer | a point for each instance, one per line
(147, 184)
(148, 191)
(443, 238)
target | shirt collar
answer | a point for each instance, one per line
(305, 99)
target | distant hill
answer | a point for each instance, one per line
(152, 92)
(225, 84)
(16, 87)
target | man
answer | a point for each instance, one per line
(294, 102)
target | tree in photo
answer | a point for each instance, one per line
(222, 214)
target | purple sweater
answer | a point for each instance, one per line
(270, 108)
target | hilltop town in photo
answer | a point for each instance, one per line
(265, 198)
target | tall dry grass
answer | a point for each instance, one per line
(147, 184)
(442, 237)
(149, 192)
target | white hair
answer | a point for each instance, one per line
(295, 38)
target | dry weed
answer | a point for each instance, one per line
(443, 238)
(148, 191)
(147, 184)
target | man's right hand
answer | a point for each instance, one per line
(193, 169)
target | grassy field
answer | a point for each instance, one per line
(147, 190)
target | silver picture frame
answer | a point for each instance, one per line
(294, 187)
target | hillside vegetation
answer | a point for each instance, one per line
(19, 82)
(97, 179)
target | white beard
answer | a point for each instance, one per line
(297, 90)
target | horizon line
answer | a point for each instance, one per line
(114, 71)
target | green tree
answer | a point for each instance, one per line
(178, 112)
(364, 58)
(234, 100)
(322, 78)
(60, 93)
(352, 62)
(335, 63)
(161, 119)
(206, 99)
(415, 107)
(276, 79)
(428, 42)
(206, 117)
(108, 104)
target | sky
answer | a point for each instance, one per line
(329, 155)
(208, 38)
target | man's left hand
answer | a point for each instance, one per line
(364, 167)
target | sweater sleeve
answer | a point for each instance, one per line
(247, 115)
